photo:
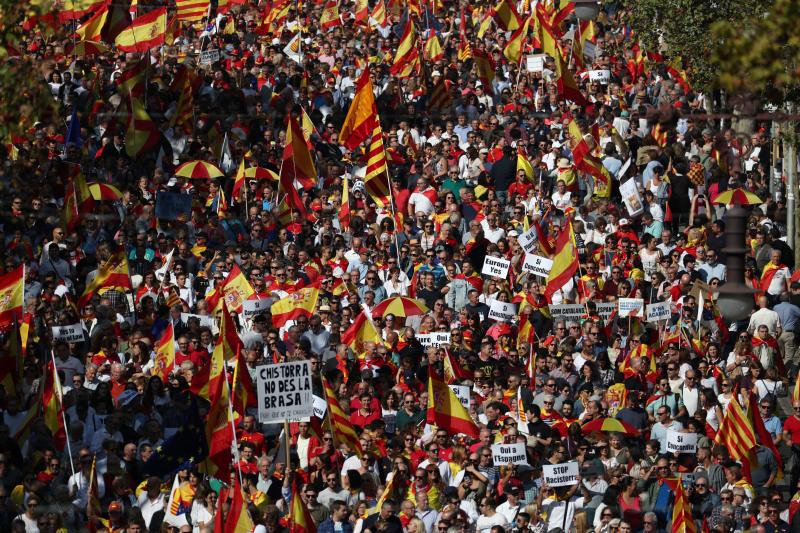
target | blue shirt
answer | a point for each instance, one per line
(708, 272)
(788, 314)
(773, 425)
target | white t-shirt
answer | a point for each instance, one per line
(421, 203)
(485, 523)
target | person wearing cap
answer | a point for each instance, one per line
(512, 506)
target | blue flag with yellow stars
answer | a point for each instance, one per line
(185, 448)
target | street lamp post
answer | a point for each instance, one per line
(587, 9)
(735, 300)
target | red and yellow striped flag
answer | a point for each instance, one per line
(445, 409)
(341, 427)
(379, 13)
(344, 209)
(586, 162)
(376, 179)
(485, 68)
(91, 30)
(330, 15)
(300, 520)
(164, 360)
(146, 32)
(682, 521)
(191, 10)
(362, 115)
(238, 519)
(736, 432)
(243, 392)
(565, 261)
(141, 135)
(433, 48)
(506, 16)
(360, 332)
(406, 60)
(112, 275)
(53, 406)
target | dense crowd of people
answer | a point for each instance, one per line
(470, 178)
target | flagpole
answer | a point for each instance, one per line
(394, 217)
(57, 383)
(233, 427)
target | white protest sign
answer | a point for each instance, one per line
(284, 392)
(71, 333)
(538, 265)
(528, 240)
(678, 442)
(436, 339)
(251, 308)
(566, 311)
(502, 311)
(462, 393)
(509, 454)
(561, 475)
(589, 50)
(320, 407)
(630, 307)
(605, 309)
(209, 57)
(601, 76)
(658, 312)
(535, 62)
(630, 195)
(496, 267)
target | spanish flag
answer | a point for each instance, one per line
(298, 164)
(682, 521)
(243, 393)
(515, 45)
(586, 162)
(341, 427)
(770, 269)
(330, 15)
(445, 410)
(406, 59)
(300, 303)
(764, 437)
(433, 48)
(141, 135)
(300, 520)
(565, 261)
(484, 67)
(344, 209)
(506, 16)
(360, 332)
(91, 30)
(12, 298)
(452, 370)
(146, 32)
(53, 407)
(524, 164)
(362, 116)
(164, 360)
(112, 275)
(77, 200)
(235, 289)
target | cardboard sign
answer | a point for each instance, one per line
(658, 312)
(209, 57)
(678, 442)
(436, 339)
(561, 475)
(630, 307)
(529, 240)
(631, 197)
(604, 310)
(567, 311)
(537, 265)
(600, 76)
(320, 407)
(462, 393)
(496, 267)
(173, 206)
(509, 454)
(535, 62)
(284, 392)
(502, 311)
(589, 50)
(251, 308)
(71, 333)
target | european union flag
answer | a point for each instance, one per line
(185, 448)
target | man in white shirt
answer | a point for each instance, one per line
(151, 500)
(764, 317)
(562, 198)
(425, 513)
(690, 393)
(511, 507)
(78, 483)
(432, 451)
(489, 516)
(491, 231)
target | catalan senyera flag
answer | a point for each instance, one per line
(565, 261)
(164, 349)
(440, 98)
(464, 48)
(112, 275)
(376, 179)
(300, 303)
(682, 521)
(300, 520)
(341, 427)
(344, 209)
(146, 32)
(362, 116)
(184, 109)
(586, 162)
(238, 519)
(12, 298)
(445, 410)
(53, 407)
(236, 289)
(736, 432)
(406, 59)
(242, 390)
(141, 135)
(506, 16)
(330, 15)
(360, 332)
(191, 10)
(379, 13)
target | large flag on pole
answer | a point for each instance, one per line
(341, 427)
(565, 261)
(300, 303)
(736, 432)
(146, 32)
(164, 360)
(113, 275)
(12, 298)
(445, 409)
(53, 406)
(362, 115)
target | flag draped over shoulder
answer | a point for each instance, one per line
(12, 298)
(565, 261)
(362, 115)
(300, 520)
(113, 275)
(445, 409)
(341, 427)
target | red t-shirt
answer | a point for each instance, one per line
(792, 428)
